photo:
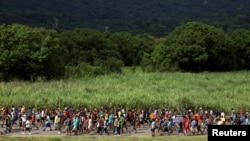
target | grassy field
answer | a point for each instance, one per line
(108, 139)
(152, 90)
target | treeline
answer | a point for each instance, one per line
(155, 17)
(33, 53)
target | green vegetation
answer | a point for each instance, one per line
(28, 53)
(218, 91)
(117, 59)
(157, 18)
(196, 47)
(192, 66)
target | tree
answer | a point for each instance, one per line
(196, 47)
(29, 53)
(241, 41)
(132, 47)
(92, 47)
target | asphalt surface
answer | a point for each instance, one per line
(17, 132)
(141, 132)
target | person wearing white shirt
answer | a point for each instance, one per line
(24, 118)
(27, 126)
(90, 125)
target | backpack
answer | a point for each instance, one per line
(8, 121)
(16, 113)
(119, 123)
(82, 113)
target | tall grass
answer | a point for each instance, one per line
(221, 91)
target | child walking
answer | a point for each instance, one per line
(47, 123)
(153, 126)
(28, 125)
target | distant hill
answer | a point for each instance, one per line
(156, 17)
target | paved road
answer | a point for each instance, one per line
(16, 132)
(141, 132)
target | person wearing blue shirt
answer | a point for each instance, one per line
(47, 123)
(194, 126)
(75, 124)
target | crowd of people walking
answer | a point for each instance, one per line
(81, 121)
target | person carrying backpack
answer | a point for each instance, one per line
(7, 124)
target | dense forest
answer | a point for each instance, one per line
(155, 17)
(54, 39)
(36, 53)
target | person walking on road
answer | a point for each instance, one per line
(34, 121)
(153, 127)
(47, 123)
(68, 126)
(27, 125)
